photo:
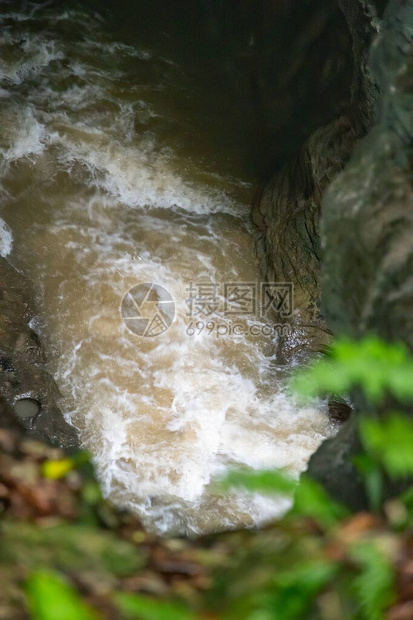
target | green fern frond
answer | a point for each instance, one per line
(374, 586)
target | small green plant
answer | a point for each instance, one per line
(373, 366)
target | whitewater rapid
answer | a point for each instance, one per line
(97, 196)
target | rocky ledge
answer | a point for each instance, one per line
(28, 388)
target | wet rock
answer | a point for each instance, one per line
(367, 224)
(301, 71)
(287, 212)
(287, 217)
(367, 227)
(339, 410)
(337, 221)
(24, 382)
(333, 459)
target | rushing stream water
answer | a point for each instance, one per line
(97, 197)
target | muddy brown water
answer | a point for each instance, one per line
(98, 195)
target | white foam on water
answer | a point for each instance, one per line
(109, 205)
(139, 178)
(163, 417)
(22, 135)
(6, 239)
(32, 55)
(116, 47)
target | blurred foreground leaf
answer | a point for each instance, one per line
(372, 475)
(264, 481)
(53, 470)
(71, 547)
(376, 367)
(295, 589)
(390, 442)
(136, 606)
(51, 598)
(374, 585)
(311, 500)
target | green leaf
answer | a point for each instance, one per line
(91, 493)
(264, 481)
(313, 501)
(374, 366)
(373, 479)
(390, 442)
(296, 588)
(310, 498)
(407, 497)
(374, 586)
(51, 598)
(144, 608)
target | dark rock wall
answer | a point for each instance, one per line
(367, 234)
(337, 221)
(287, 213)
(22, 371)
(301, 70)
(287, 217)
(367, 223)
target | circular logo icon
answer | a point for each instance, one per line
(148, 310)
